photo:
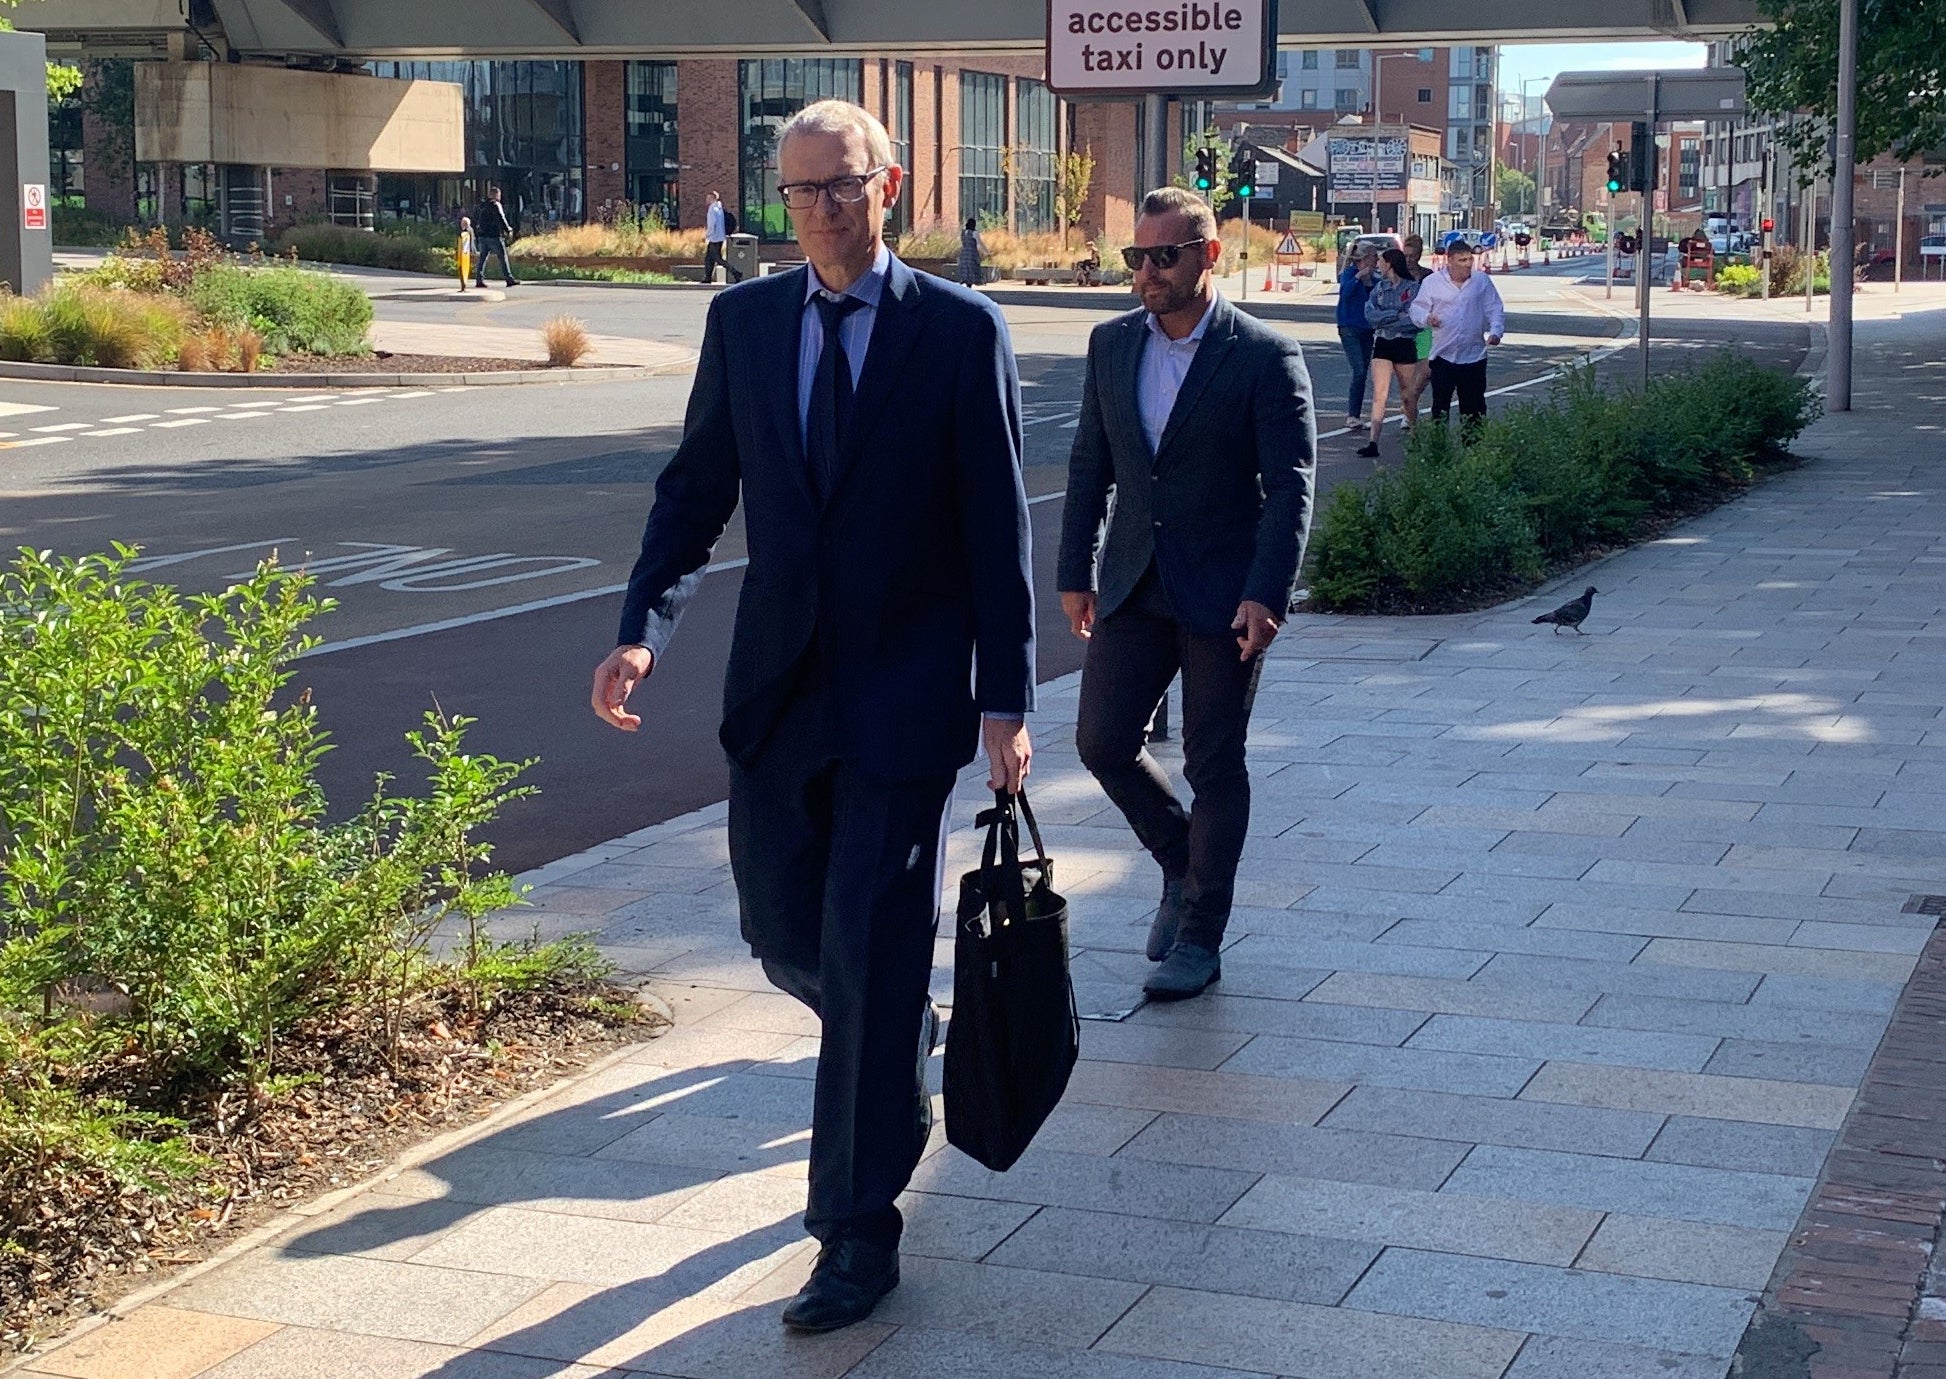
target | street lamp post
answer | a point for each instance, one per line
(1378, 118)
(1525, 165)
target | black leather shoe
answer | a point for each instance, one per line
(850, 1277)
(1184, 973)
(1168, 918)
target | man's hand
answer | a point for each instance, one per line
(615, 680)
(1080, 609)
(1432, 319)
(1493, 339)
(1009, 753)
(1258, 626)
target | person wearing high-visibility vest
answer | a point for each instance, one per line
(464, 253)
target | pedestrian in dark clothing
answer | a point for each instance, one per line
(972, 253)
(867, 420)
(1354, 334)
(1199, 419)
(492, 231)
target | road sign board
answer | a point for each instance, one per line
(33, 206)
(1187, 47)
(1287, 246)
(1708, 93)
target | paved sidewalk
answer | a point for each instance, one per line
(1558, 964)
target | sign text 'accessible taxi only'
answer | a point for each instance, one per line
(1136, 48)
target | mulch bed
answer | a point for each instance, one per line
(383, 361)
(348, 1116)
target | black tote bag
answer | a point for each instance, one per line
(1015, 1032)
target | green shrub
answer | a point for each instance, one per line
(77, 225)
(1739, 280)
(24, 336)
(161, 827)
(292, 308)
(1546, 483)
(399, 246)
(80, 324)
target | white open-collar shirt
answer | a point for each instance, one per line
(1165, 363)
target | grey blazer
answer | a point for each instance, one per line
(1223, 506)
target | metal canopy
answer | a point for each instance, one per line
(618, 28)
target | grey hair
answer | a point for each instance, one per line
(1188, 205)
(841, 118)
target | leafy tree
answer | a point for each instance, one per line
(1074, 175)
(62, 80)
(1516, 190)
(1793, 68)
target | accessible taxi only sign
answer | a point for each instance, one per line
(1135, 47)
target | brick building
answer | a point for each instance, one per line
(575, 140)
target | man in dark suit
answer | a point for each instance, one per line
(870, 418)
(1198, 418)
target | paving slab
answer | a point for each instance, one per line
(1253, 1147)
(1534, 1039)
(1325, 1342)
(1429, 1069)
(1763, 1201)
(1708, 1143)
(1736, 1257)
(1496, 1120)
(1535, 1298)
(1557, 1357)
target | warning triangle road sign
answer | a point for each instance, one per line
(1287, 245)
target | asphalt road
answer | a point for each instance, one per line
(428, 513)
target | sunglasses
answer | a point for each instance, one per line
(1161, 255)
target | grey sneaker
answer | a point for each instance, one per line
(1168, 918)
(1187, 970)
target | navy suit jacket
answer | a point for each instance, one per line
(1222, 506)
(909, 588)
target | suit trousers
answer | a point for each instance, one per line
(488, 247)
(1133, 655)
(1468, 380)
(838, 881)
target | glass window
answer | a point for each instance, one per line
(901, 132)
(650, 121)
(1347, 57)
(1310, 63)
(1459, 102)
(523, 133)
(1348, 98)
(983, 143)
(1425, 95)
(64, 172)
(769, 92)
(1310, 99)
(1034, 141)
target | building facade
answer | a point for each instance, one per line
(572, 141)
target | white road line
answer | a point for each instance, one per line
(239, 416)
(21, 409)
(313, 397)
(417, 392)
(132, 416)
(8, 435)
(459, 389)
(358, 401)
(114, 431)
(184, 411)
(64, 426)
(311, 407)
(37, 440)
(181, 421)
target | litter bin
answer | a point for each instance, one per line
(741, 256)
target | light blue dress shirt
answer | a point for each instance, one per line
(1165, 363)
(855, 331)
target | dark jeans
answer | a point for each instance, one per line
(838, 880)
(712, 256)
(1358, 354)
(1468, 380)
(486, 248)
(1134, 654)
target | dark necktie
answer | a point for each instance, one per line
(830, 413)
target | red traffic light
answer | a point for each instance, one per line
(1769, 225)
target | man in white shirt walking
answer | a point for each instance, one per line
(716, 233)
(1466, 315)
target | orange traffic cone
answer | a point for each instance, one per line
(1270, 278)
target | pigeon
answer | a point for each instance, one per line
(1571, 613)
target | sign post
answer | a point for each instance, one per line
(1189, 47)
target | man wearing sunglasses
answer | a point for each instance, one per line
(869, 419)
(1198, 419)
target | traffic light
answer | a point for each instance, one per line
(1642, 161)
(1205, 169)
(1617, 171)
(1243, 174)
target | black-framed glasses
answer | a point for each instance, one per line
(846, 191)
(1161, 255)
